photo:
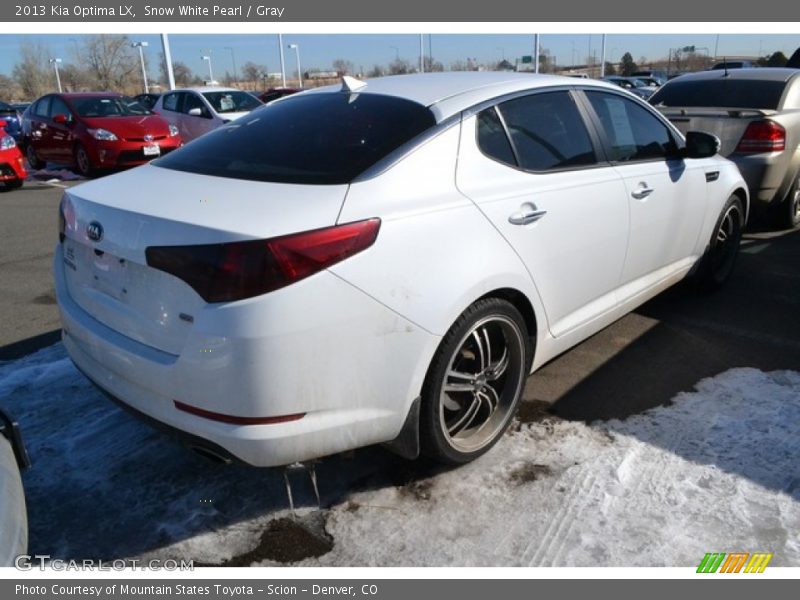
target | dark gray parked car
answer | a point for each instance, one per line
(13, 515)
(756, 115)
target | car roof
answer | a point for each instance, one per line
(449, 93)
(760, 74)
(205, 88)
(87, 94)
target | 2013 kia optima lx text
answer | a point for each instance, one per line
(384, 262)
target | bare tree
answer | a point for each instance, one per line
(400, 66)
(33, 72)
(11, 90)
(73, 78)
(110, 61)
(432, 66)
(253, 73)
(343, 67)
(459, 65)
(376, 71)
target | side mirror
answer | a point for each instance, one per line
(195, 112)
(700, 144)
(61, 119)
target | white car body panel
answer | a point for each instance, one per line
(349, 347)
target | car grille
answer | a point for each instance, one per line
(6, 171)
(137, 156)
(156, 138)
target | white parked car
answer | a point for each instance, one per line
(195, 111)
(385, 262)
(13, 514)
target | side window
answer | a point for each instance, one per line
(59, 107)
(171, 102)
(492, 138)
(548, 132)
(633, 133)
(42, 108)
(191, 101)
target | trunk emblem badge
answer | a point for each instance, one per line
(94, 231)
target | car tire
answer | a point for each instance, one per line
(787, 213)
(34, 161)
(717, 264)
(472, 388)
(13, 184)
(83, 164)
(13, 514)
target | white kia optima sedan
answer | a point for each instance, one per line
(384, 262)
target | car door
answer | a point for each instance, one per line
(40, 133)
(666, 194)
(61, 134)
(169, 107)
(196, 125)
(533, 168)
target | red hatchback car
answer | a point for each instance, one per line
(93, 131)
(12, 164)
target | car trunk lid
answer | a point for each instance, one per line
(728, 125)
(112, 221)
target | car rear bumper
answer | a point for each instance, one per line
(12, 168)
(765, 175)
(320, 348)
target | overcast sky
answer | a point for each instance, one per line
(365, 50)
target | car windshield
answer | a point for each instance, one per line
(722, 92)
(231, 102)
(108, 106)
(324, 138)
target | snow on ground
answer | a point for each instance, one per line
(716, 470)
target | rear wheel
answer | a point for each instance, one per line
(82, 161)
(720, 258)
(788, 212)
(33, 160)
(475, 382)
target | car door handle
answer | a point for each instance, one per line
(526, 217)
(642, 192)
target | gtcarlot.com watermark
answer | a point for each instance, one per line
(26, 562)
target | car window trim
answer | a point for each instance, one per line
(601, 157)
(677, 138)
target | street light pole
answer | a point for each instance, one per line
(55, 62)
(142, 45)
(233, 59)
(210, 73)
(603, 56)
(536, 52)
(421, 53)
(168, 60)
(296, 48)
(283, 64)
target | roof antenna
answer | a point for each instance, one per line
(725, 65)
(351, 84)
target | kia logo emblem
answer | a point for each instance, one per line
(148, 138)
(95, 231)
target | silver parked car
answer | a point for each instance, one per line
(13, 515)
(756, 115)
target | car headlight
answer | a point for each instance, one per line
(7, 142)
(173, 131)
(103, 135)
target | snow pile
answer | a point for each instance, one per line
(717, 470)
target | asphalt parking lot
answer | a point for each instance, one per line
(664, 347)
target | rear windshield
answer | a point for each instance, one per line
(316, 139)
(722, 92)
(114, 106)
(7, 108)
(231, 102)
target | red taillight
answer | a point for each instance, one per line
(762, 136)
(238, 270)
